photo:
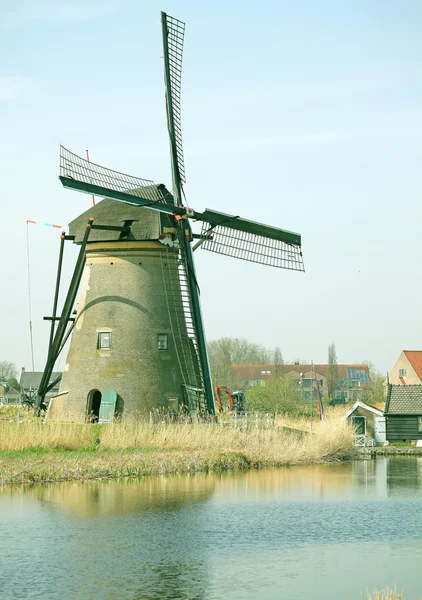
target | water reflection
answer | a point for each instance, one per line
(129, 536)
(100, 498)
(241, 535)
(404, 473)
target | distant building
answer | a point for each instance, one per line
(8, 395)
(30, 381)
(407, 368)
(351, 384)
(403, 413)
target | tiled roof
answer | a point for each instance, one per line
(254, 371)
(415, 359)
(32, 380)
(404, 400)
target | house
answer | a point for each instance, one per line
(30, 381)
(403, 413)
(407, 369)
(9, 395)
(352, 378)
(367, 420)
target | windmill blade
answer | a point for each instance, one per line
(82, 175)
(173, 36)
(247, 240)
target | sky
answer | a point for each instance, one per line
(305, 115)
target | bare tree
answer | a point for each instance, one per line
(332, 374)
(7, 370)
(278, 361)
(375, 389)
(228, 351)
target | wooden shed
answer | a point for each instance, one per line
(363, 418)
(403, 413)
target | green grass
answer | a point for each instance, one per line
(58, 465)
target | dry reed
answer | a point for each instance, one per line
(36, 434)
(261, 445)
(34, 451)
(387, 594)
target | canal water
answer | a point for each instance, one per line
(326, 532)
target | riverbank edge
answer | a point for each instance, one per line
(46, 466)
(390, 451)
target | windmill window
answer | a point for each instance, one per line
(402, 372)
(162, 341)
(104, 340)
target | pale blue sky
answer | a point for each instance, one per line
(305, 115)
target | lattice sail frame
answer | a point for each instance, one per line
(81, 171)
(174, 46)
(252, 247)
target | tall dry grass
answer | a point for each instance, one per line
(387, 594)
(36, 434)
(260, 446)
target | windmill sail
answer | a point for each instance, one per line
(173, 36)
(251, 241)
(79, 174)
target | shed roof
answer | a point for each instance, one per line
(359, 404)
(404, 400)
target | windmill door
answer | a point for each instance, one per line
(380, 430)
(108, 406)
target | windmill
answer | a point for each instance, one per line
(138, 339)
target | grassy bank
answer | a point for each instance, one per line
(36, 452)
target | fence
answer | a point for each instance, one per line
(362, 441)
(244, 420)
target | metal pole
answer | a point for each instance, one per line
(312, 404)
(61, 327)
(56, 293)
